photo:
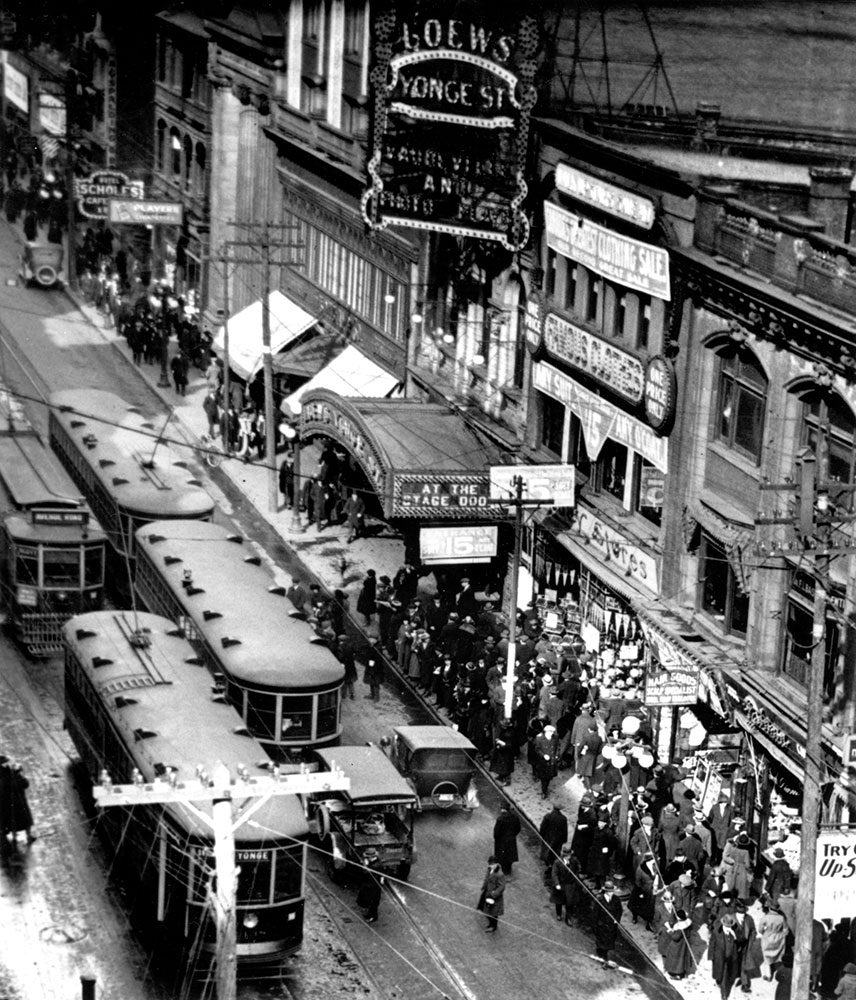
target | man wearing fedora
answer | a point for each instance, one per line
(369, 893)
(606, 917)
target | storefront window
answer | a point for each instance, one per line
(552, 423)
(742, 399)
(612, 467)
(720, 597)
(649, 483)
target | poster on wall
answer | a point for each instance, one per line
(452, 94)
(835, 878)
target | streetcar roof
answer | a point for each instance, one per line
(236, 606)
(33, 476)
(159, 700)
(433, 738)
(145, 476)
(373, 775)
(22, 529)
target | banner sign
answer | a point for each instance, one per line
(619, 258)
(16, 87)
(600, 419)
(540, 482)
(151, 213)
(94, 192)
(835, 877)
(620, 555)
(613, 367)
(671, 678)
(475, 543)
(607, 197)
(451, 96)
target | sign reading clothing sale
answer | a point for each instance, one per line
(835, 882)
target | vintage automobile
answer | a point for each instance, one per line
(438, 763)
(41, 264)
(377, 812)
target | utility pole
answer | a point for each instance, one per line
(233, 801)
(815, 524)
(519, 503)
(71, 107)
(258, 250)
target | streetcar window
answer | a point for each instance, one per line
(328, 713)
(288, 874)
(254, 881)
(93, 566)
(261, 714)
(296, 717)
(61, 567)
(27, 565)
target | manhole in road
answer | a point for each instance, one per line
(62, 934)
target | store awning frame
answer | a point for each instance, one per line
(350, 370)
(288, 322)
(420, 458)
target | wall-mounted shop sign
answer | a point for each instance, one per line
(660, 390)
(600, 419)
(533, 323)
(607, 197)
(630, 262)
(52, 114)
(556, 483)
(151, 213)
(615, 368)
(835, 875)
(442, 494)
(623, 556)
(452, 98)
(16, 87)
(472, 543)
(94, 192)
(671, 677)
(320, 417)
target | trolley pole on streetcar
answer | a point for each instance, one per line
(519, 503)
(815, 524)
(233, 801)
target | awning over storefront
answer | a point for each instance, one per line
(421, 458)
(351, 373)
(288, 321)
(307, 358)
(730, 526)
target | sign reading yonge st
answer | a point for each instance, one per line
(452, 98)
(631, 263)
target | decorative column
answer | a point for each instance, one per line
(225, 137)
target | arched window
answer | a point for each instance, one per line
(201, 157)
(159, 147)
(828, 408)
(175, 152)
(188, 161)
(741, 402)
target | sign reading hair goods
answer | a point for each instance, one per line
(442, 494)
(629, 262)
(452, 93)
(600, 194)
(660, 391)
(94, 192)
(616, 369)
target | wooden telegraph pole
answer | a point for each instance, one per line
(519, 503)
(233, 801)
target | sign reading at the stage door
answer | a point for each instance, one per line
(835, 881)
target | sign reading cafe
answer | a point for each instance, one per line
(452, 96)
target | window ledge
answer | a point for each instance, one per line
(736, 459)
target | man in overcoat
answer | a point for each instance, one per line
(505, 832)
(606, 915)
(492, 898)
(554, 833)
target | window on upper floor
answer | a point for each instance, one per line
(647, 489)
(175, 152)
(162, 45)
(571, 279)
(741, 402)
(619, 312)
(355, 27)
(719, 595)
(552, 423)
(593, 292)
(827, 409)
(201, 166)
(612, 469)
(160, 144)
(643, 322)
(313, 13)
(550, 272)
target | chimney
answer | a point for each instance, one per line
(829, 198)
(706, 123)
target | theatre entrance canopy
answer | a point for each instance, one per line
(421, 459)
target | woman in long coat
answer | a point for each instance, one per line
(673, 945)
(492, 898)
(505, 832)
(641, 902)
(670, 826)
(773, 931)
(738, 876)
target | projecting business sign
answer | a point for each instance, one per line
(94, 192)
(835, 875)
(600, 194)
(452, 97)
(619, 258)
(152, 213)
(442, 494)
(556, 483)
(472, 543)
(16, 87)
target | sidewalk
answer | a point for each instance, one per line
(335, 564)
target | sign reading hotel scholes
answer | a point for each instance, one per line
(94, 192)
(451, 98)
(632, 263)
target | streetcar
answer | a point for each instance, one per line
(138, 707)
(127, 474)
(51, 548)
(276, 671)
